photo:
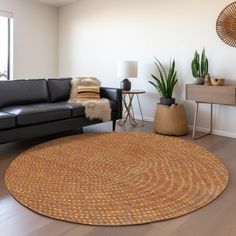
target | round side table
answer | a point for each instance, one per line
(128, 112)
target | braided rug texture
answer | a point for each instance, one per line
(115, 178)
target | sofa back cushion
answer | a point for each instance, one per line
(59, 89)
(21, 92)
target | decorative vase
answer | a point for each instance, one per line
(217, 82)
(125, 85)
(167, 101)
(207, 80)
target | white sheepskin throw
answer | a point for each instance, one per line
(94, 109)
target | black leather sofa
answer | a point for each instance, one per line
(35, 108)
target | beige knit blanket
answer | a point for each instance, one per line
(94, 109)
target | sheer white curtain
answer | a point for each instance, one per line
(6, 24)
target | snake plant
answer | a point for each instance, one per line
(200, 66)
(166, 80)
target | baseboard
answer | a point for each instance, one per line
(215, 131)
(199, 129)
(148, 119)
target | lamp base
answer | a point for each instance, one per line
(125, 84)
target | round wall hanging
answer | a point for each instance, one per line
(226, 25)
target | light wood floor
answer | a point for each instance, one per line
(216, 219)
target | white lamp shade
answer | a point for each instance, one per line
(127, 69)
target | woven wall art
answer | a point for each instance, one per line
(226, 25)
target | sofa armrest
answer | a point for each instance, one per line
(115, 95)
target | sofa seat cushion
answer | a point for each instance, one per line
(7, 121)
(39, 113)
(77, 110)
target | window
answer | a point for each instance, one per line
(6, 32)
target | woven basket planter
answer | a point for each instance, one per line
(171, 120)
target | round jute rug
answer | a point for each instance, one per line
(116, 178)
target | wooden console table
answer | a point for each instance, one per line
(222, 95)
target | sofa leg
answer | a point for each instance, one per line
(114, 125)
(81, 130)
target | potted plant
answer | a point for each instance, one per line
(199, 67)
(165, 82)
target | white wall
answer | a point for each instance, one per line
(95, 34)
(35, 38)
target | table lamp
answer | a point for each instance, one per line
(125, 70)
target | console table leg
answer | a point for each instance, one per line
(211, 119)
(195, 122)
(195, 119)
